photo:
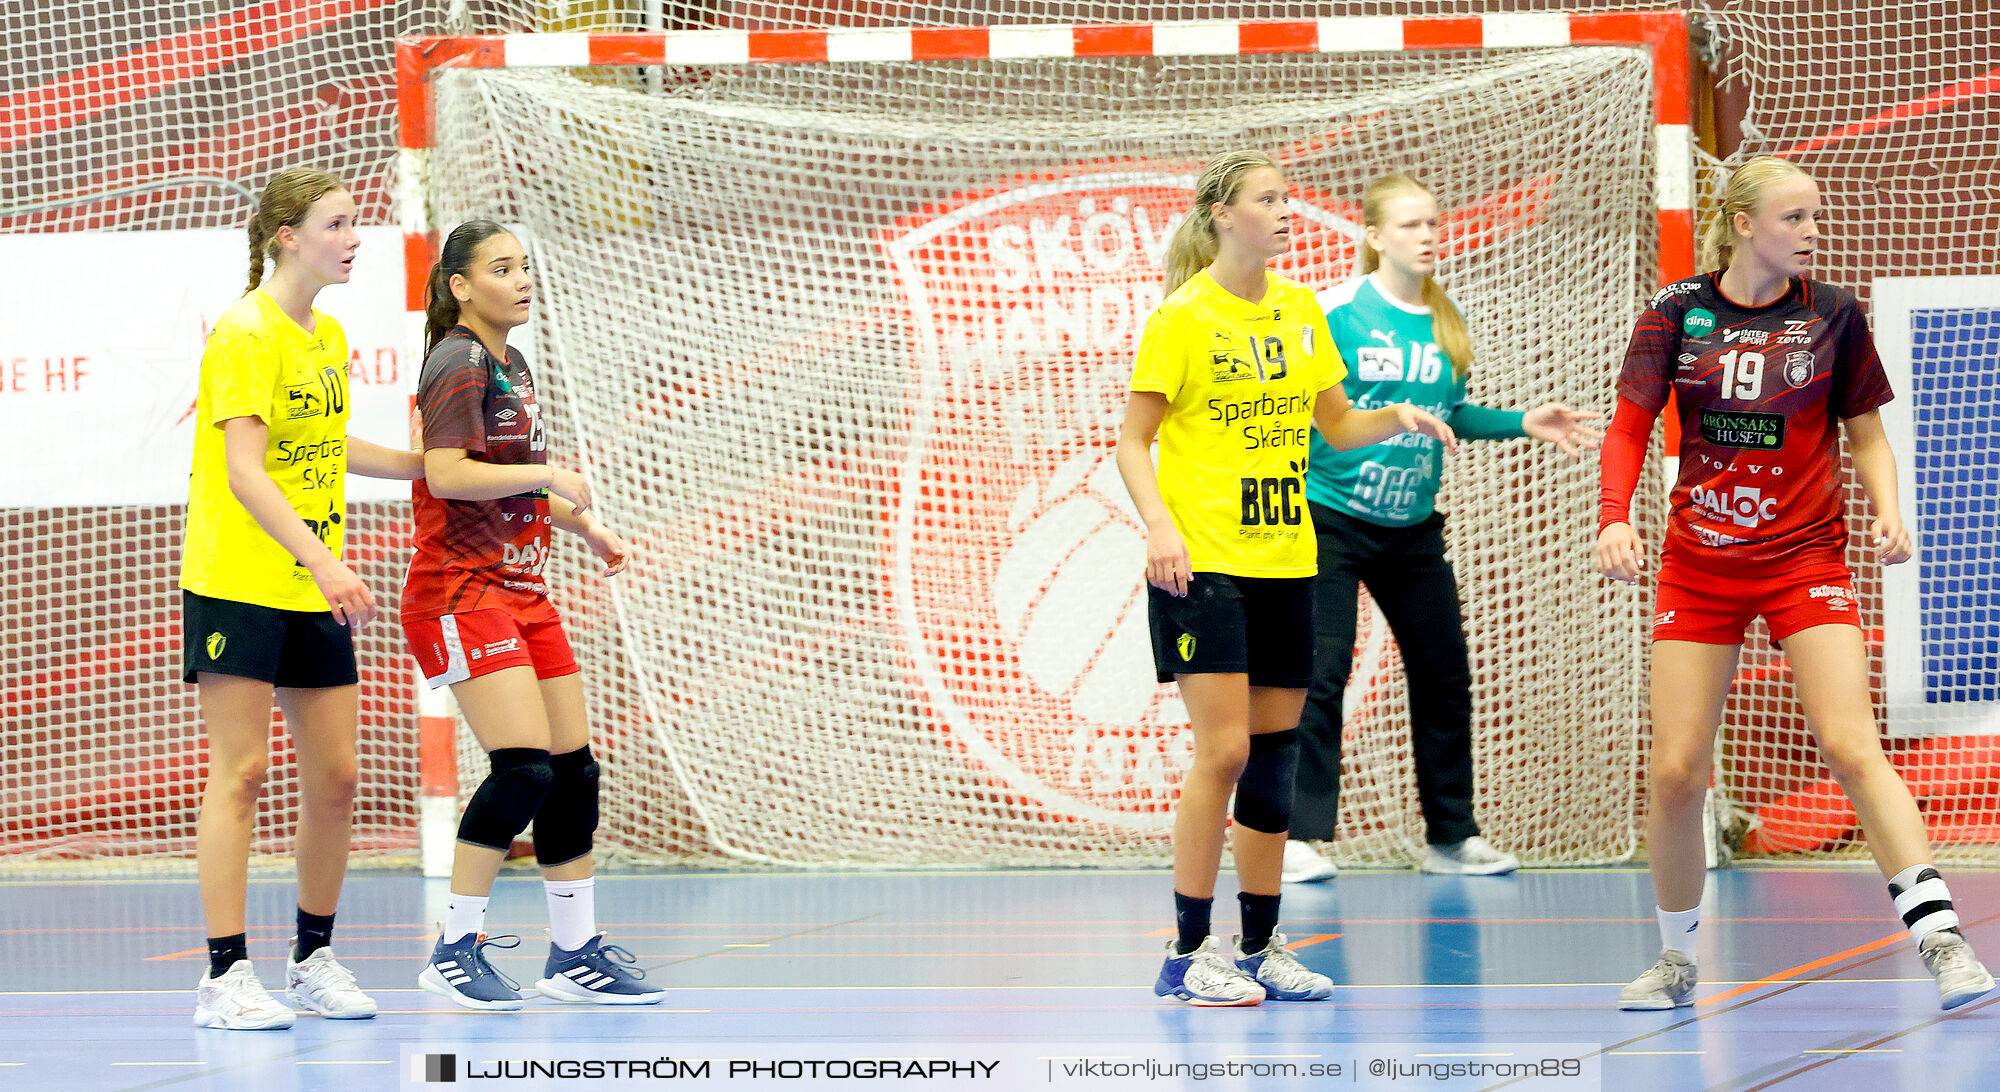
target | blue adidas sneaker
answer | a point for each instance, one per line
(458, 970)
(592, 975)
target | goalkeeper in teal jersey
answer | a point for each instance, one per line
(1374, 512)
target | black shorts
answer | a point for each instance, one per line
(307, 650)
(1261, 626)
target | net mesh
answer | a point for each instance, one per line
(125, 116)
(846, 347)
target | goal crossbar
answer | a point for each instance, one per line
(1662, 33)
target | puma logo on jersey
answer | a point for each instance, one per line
(1387, 337)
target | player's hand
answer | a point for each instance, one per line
(1892, 540)
(1620, 555)
(608, 547)
(1562, 426)
(570, 486)
(345, 594)
(416, 430)
(1168, 566)
(1416, 420)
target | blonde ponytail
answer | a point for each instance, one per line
(1448, 327)
(1742, 193)
(1194, 243)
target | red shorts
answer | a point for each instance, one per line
(458, 647)
(1695, 605)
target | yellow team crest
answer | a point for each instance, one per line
(1185, 644)
(216, 641)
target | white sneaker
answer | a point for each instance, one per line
(1960, 976)
(1473, 857)
(1667, 984)
(238, 1002)
(1281, 974)
(1303, 863)
(321, 984)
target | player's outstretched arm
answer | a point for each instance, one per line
(1168, 566)
(371, 460)
(1875, 467)
(1347, 428)
(1555, 423)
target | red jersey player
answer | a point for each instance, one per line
(477, 616)
(1763, 362)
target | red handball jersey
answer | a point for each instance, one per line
(1759, 391)
(478, 555)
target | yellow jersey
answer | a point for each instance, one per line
(259, 363)
(1240, 379)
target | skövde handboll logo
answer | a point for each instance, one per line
(1015, 562)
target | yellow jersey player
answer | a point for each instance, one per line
(1234, 370)
(268, 606)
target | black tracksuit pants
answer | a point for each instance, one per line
(1407, 574)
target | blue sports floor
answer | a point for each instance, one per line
(1809, 983)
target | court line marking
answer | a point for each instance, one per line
(1940, 1018)
(1779, 992)
(1790, 973)
(682, 930)
(283, 875)
(789, 988)
(358, 1061)
(1853, 1050)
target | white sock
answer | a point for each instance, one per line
(572, 911)
(1677, 929)
(464, 916)
(1923, 901)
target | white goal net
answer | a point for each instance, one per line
(844, 347)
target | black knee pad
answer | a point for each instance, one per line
(569, 812)
(511, 794)
(1264, 792)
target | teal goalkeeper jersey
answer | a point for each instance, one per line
(1392, 357)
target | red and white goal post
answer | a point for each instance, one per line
(838, 321)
